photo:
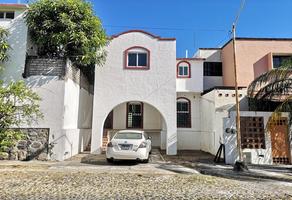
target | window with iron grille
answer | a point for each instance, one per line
(252, 133)
(212, 69)
(183, 113)
(135, 115)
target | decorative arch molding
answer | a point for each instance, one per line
(143, 32)
(189, 69)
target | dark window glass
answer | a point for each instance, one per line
(183, 114)
(132, 59)
(183, 70)
(1, 15)
(186, 71)
(212, 69)
(135, 115)
(180, 71)
(9, 15)
(278, 61)
(142, 59)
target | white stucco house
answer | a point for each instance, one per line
(182, 103)
(66, 95)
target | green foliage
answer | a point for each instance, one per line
(4, 46)
(274, 87)
(18, 106)
(67, 28)
(9, 138)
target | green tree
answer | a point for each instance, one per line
(272, 90)
(67, 28)
(4, 46)
(19, 105)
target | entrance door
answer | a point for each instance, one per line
(135, 115)
(280, 142)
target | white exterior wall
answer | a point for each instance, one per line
(258, 156)
(212, 81)
(17, 40)
(214, 108)
(210, 55)
(77, 113)
(190, 138)
(195, 82)
(77, 106)
(115, 85)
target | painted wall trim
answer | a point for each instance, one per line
(144, 32)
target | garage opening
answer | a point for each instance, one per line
(135, 115)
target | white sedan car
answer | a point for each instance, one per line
(129, 145)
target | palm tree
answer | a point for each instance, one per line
(272, 91)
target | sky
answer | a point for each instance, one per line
(195, 23)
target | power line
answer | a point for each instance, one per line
(165, 28)
(239, 12)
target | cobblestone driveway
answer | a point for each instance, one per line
(51, 181)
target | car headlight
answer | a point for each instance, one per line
(143, 145)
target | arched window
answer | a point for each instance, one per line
(183, 69)
(183, 113)
(137, 58)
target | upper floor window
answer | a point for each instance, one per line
(183, 69)
(183, 113)
(137, 58)
(212, 69)
(6, 15)
(278, 61)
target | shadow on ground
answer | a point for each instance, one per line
(204, 163)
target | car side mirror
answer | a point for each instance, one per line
(149, 137)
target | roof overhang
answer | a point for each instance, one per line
(15, 6)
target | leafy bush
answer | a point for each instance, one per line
(18, 106)
(9, 138)
(67, 28)
(4, 46)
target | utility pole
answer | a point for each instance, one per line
(238, 134)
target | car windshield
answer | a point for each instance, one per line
(130, 136)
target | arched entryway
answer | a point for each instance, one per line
(139, 116)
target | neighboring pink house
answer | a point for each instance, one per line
(254, 57)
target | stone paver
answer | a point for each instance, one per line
(90, 177)
(44, 183)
